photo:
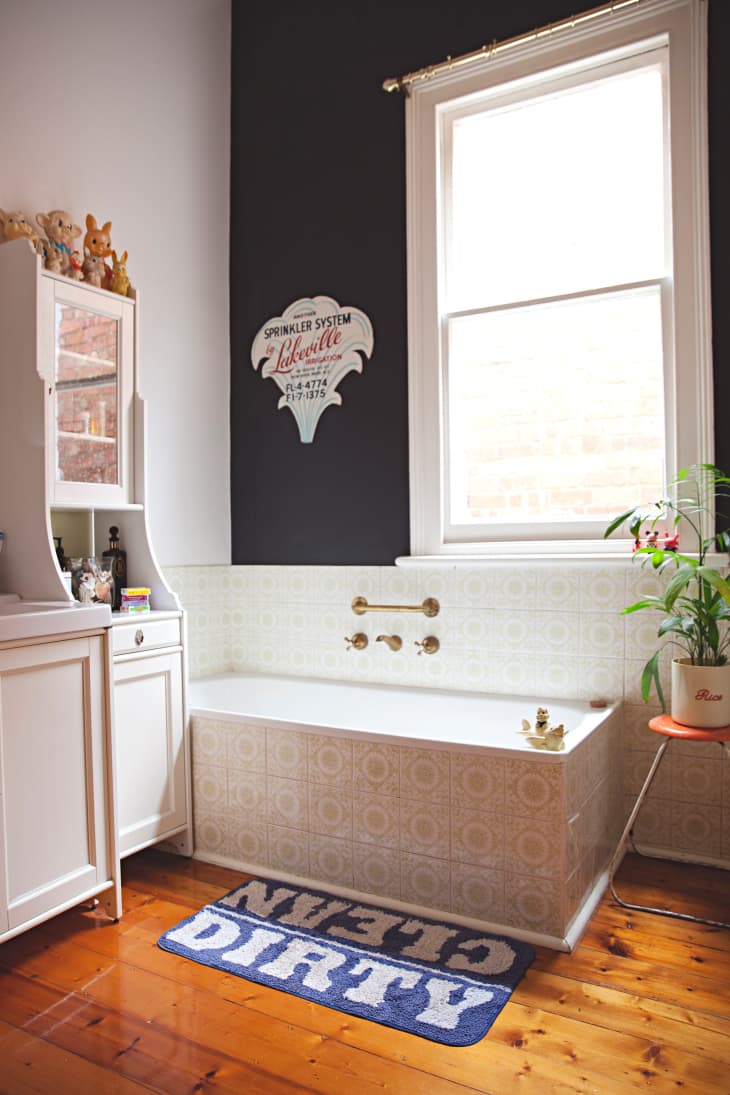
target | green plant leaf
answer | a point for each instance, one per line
(649, 676)
(618, 521)
(715, 579)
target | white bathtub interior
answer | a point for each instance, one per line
(426, 799)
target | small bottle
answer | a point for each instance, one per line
(60, 554)
(117, 565)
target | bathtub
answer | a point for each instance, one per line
(430, 801)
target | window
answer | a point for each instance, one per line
(558, 284)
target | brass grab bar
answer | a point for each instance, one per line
(430, 607)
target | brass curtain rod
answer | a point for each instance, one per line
(402, 83)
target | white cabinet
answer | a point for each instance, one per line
(72, 463)
(151, 768)
(57, 833)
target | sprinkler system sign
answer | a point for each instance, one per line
(307, 351)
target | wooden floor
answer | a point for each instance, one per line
(88, 1006)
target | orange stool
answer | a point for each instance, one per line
(665, 725)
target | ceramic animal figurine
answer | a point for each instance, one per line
(98, 241)
(52, 260)
(61, 232)
(552, 739)
(76, 269)
(95, 270)
(543, 735)
(17, 226)
(120, 281)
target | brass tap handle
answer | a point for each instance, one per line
(359, 640)
(429, 645)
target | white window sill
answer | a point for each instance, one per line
(534, 559)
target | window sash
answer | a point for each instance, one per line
(689, 387)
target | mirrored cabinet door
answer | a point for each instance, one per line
(86, 360)
(90, 412)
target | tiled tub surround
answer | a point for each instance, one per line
(554, 629)
(386, 796)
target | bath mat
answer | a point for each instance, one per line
(438, 980)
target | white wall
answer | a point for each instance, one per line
(122, 110)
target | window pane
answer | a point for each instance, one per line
(558, 194)
(556, 411)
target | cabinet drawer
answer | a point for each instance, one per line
(145, 635)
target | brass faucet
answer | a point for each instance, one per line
(393, 641)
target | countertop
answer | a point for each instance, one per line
(21, 619)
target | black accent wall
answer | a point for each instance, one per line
(318, 208)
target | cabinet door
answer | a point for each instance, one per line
(87, 352)
(151, 766)
(53, 783)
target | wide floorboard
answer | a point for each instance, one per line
(643, 1004)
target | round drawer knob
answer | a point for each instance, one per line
(139, 637)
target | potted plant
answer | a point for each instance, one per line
(695, 603)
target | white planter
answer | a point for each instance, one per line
(700, 694)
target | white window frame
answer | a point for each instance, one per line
(689, 425)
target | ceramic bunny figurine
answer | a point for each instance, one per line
(95, 270)
(98, 242)
(120, 281)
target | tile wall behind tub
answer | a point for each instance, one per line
(550, 631)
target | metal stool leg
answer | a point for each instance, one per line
(626, 836)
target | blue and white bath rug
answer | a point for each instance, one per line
(438, 980)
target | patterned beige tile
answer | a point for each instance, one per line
(288, 850)
(286, 802)
(534, 849)
(330, 811)
(209, 788)
(514, 632)
(636, 767)
(653, 826)
(209, 831)
(472, 588)
(424, 774)
(560, 589)
(556, 632)
(696, 828)
(477, 892)
(246, 747)
(246, 840)
(603, 588)
(331, 860)
(246, 793)
(425, 881)
(208, 737)
(534, 790)
(477, 837)
(478, 780)
(601, 635)
(375, 767)
(330, 760)
(512, 674)
(286, 753)
(376, 820)
(534, 904)
(377, 870)
(694, 779)
(424, 828)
